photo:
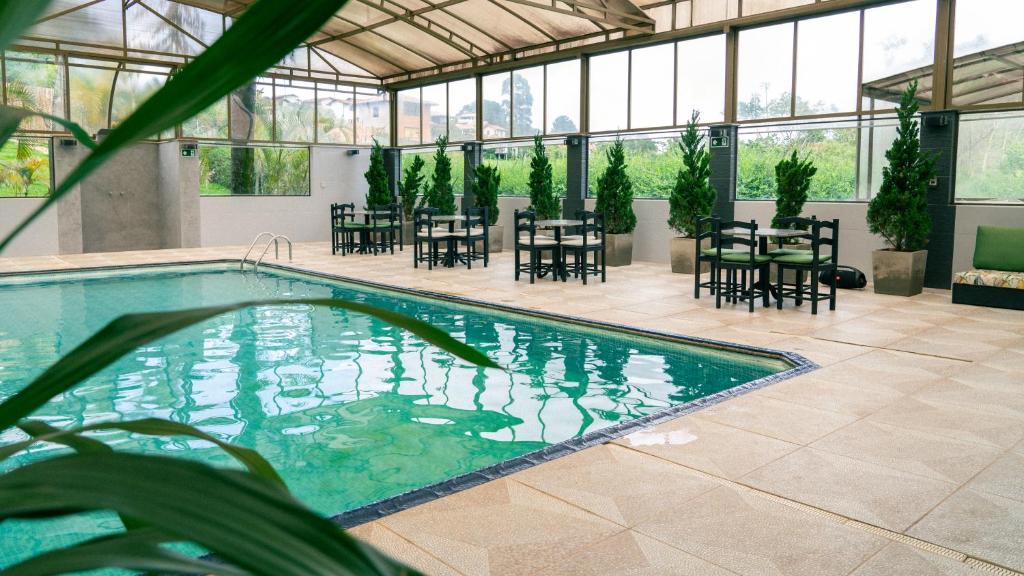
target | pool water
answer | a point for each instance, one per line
(349, 409)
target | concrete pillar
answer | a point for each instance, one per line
(577, 150)
(393, 166)
(723, 146)
(939, 131)
(67, 154)
(474, 155)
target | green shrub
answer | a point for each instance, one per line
(792, 181)
(692, 197)
(409, 187)
(543, 199)
(486, 181)
(615, 193)
(440, 193)
(379, 193)
(899, 212)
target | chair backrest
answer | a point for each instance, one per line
(745, 234)
(796, 223)
(475, 217)
(424, 217)
(526, 221)
(831, 239)
(707, 228)
(592, 228)
(339, 212)
(382, 214)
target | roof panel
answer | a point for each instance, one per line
(396, 54)
(554, 23)
(469, 31)
(429, 44)
(505, 26)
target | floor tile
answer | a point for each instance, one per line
(960, 423)
(699, 443)
(814, 392)
(634, 554)
(776, 418)
(1004, 477)
(867, 492)
(902, 560)
(396, 547)
(751, 535)
(982, 525)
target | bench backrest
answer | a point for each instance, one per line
(997, 248)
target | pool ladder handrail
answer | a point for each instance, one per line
(277, 254)
(241, 265)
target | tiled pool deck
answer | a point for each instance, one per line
(903, 454)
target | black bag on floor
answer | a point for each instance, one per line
(845, 277)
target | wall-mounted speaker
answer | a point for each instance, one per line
(352, 152)
(68, 142)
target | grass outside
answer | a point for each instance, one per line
(25, 174)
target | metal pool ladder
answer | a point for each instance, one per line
(274, 239)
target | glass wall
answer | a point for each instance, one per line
(764, 87)
(529, 101)
(990, 157)
(253, 171)
(652, 162)
(700, 84)
(609, 92)
(36, 82)
(25, 168)
(513, 162)
(898, 38)
(990, 62)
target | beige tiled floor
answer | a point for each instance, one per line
(903, 454)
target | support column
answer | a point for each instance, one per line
(939, 132)
(473, 154)
(577, 148)
(723, 145)
(393, 166)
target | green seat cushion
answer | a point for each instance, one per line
(353, 225)
(999, 248)
(714, 251)
(786, 251)
(806, 258)
(745, 257)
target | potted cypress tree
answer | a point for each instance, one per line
(692, 197)
(408, 189)
(379, 193)
(486, 180)
(792, 182)
(899, 212)
(543, 199)
(615, 203)
(440, 194)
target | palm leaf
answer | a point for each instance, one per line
(241, 518)
(131, 331)
(73, 438)
(265, 33)
(134, 550)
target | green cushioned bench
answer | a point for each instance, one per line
(997, 279)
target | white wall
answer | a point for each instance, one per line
(334, 176)
(40, 238)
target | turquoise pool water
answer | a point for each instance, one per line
(348, 409)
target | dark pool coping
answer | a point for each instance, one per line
(381, 508)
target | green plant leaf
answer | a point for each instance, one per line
(242, 519)
(16, 16)
(265, 33)
(11, 118)
(131, 331)
(73, 438)
(135, 550)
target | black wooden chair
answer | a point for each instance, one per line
(528, 240)
(707, 228)
(742, 263)
(474, 234)
(344, 228)
(808, 261)
(589, 239)
(427, 236)
(381, 228)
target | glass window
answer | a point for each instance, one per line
(253, 171)
(90, 95)
(335, 115)
(609, 92)
(462, 110)
(252, 112)
(408, 127)
(25, 168)
(563, 97)
(990, 157)
(36, 82)
(527, 101)
(832, 148)
(513, 162)
(294, 112)
(877, 134)
(131, 90)
(652, 163)
(995, 77)
(827, 57)
(897, 38)
(497, 108)
(701, 84)
(372, 109)
(765, 72)
(651, 78)
(435, 111)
